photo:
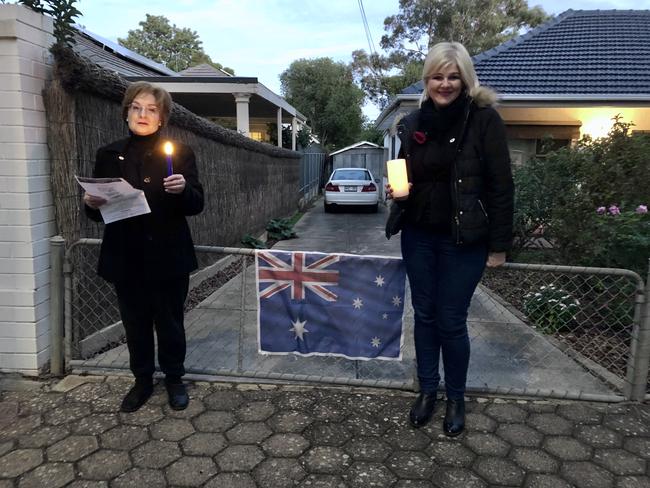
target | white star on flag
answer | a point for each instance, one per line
(397, 301)
(379, 280)
(375, 342)
(299, 329)
(357, 303)
(385, 316)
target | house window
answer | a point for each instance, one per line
(256, 135)
(547, 145)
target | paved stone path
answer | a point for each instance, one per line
(255, 435)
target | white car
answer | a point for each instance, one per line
(351, 186)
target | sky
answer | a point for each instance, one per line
(261, 38)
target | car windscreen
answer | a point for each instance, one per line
(351, 174)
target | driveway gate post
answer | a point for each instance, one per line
(57, 249)
(640, 348)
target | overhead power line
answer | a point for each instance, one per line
(371, 44)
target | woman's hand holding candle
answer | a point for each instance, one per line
(390, 191)
(398, 185)
(174, 184)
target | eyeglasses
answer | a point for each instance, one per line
(151, 111)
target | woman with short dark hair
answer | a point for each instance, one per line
(148, 258)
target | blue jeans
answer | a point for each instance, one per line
(443, 277)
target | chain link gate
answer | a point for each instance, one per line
(551, 331)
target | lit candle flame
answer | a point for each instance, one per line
(168, 148)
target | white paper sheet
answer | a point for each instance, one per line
(122, 200)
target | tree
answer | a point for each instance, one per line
(63, 13)
(324, 91)
(370, 133)
(303, 136)
(477, 24)
(164, 43)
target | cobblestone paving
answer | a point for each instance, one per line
(243, 436)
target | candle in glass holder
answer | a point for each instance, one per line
(397, 177)
(169, 150)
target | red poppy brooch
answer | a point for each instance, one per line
(419, 137)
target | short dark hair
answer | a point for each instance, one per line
(162, 96)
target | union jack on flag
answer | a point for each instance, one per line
(330, 304)
(298, 276)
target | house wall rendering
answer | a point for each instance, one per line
(26, 211)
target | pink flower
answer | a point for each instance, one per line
(601, 210)
(641, 209)
(419, 137)
(614, 210)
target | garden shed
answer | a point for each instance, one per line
(362, 154)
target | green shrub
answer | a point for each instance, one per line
(279, 229)
(252, 242)
(550, 308)
(621, 238)
(557, 197)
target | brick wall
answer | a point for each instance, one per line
(26, 211)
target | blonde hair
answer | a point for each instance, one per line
(444, 54)
(162, 96)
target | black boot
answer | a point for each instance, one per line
(178, 398)
(422, 409)
(137, 395)
(454, 423)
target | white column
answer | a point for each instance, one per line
(279, 122)
(294, 130)
(26, 210)
(242, 100)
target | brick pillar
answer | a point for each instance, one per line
(26, 211)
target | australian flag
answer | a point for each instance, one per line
(330, 304)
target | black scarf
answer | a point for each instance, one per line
(137, 148)
(430, 202)
(436, 122)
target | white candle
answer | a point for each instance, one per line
(397, 177)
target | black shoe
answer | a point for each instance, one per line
(454, 423)
(178, 398)
(422, 409)
(137, 396)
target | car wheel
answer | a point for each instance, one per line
(328, 207)
(374, 208)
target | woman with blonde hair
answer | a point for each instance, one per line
(456, 219)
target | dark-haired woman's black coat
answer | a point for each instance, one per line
(159, 244)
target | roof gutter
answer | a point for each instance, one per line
(394, 104)
(552, 97)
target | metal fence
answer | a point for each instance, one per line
(312, 166)
(550, 331)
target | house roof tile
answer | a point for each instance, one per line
(579, 52)
(204, 70)
(115, 58)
